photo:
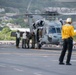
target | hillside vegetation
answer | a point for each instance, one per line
(35, 4)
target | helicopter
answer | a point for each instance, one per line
(49, 30)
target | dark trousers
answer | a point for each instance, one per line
(33, 41)
(67, 45)
(28, 41)
(17, 42)
(23, 43)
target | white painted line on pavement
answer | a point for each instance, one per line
(37, 74)
(18, 70)
(45, 56)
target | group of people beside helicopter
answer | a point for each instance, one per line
(29, 39)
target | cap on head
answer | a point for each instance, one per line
(69, 20)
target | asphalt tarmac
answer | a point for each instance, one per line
(14, 61)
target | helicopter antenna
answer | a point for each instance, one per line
(29, 5)
(29, 16)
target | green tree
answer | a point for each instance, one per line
(5, 34)
(5, 30)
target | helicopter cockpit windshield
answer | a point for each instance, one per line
(58, 30)
(53, 29)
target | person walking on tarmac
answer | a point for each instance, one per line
(67, 36)
(24, 40)
(17, 38)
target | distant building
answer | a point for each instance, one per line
(13, 34)
(21, 29)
